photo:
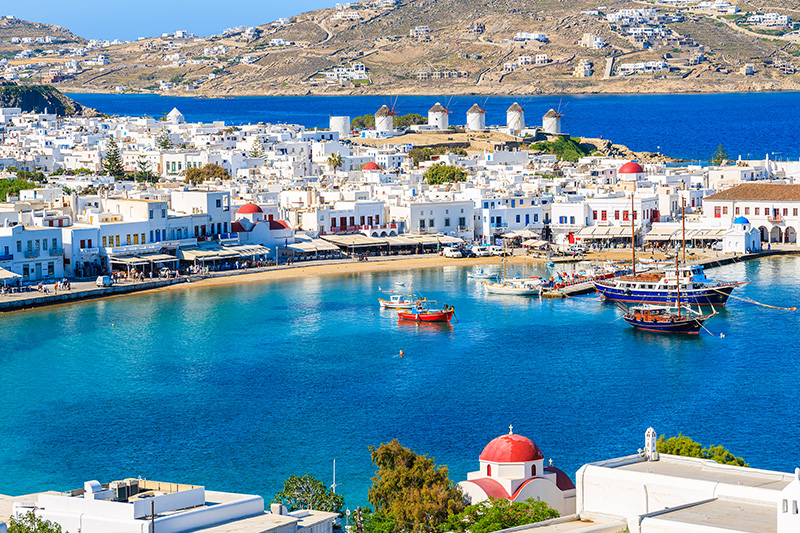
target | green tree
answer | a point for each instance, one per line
(258, 149)
(567, 149)
(408, 120)
(30, 523)
(720, 156)
(363, 122)
(194, 176)
(12, 187)
(683, 445)
(409, 492)
(30, 175)
(143, 172)
(308, 492)
(112, 164)
(441, 173)
(495, 514)
(335, 161)
(88, 191)
(162, 140)
(214, 171)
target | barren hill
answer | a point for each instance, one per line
(458, 47)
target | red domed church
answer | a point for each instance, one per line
(512, 467)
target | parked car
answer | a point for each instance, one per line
(452, 252)
(467, 252)
(104, 281)
(498, 250)
(717, 246)
(481, 251)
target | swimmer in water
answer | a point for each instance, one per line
(402, 354)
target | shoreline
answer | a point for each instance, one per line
(336, 268)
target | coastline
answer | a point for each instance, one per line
(337, 268)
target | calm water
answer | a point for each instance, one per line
(685, 126)
(239, 387)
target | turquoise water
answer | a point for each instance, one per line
(239, 387)
(689, 126)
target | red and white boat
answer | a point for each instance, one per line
(422, 313)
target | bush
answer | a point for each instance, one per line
(686, 447)
(567, 149)
(441, 173)
(495, 514)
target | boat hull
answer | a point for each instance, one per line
(435, 316)
(386, 304)
(686, 325)
(715, 297)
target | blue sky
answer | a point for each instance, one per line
(130, 19)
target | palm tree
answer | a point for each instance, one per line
(335, 161)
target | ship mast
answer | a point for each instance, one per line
(678, 283)
(633, 238)
(683, 225)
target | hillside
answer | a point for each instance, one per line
(39, 98)
(471, 46)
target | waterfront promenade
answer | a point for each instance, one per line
(87, 289)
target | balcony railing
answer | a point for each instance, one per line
(775, 219)
(90, 251)
(30, 254)
(56, 252)
(7, 257)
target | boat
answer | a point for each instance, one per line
(397, 301)
(663, 319)
(514, 287)
(666, 288)
(481, 274)
(422, 312)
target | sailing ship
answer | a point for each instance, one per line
(515, 287)
(662, 288)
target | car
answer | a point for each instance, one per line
(467, 252)
(104, 281)
(717, 246)
(481, 251)
(498, 250)
(452, 252)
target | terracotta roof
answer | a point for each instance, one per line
(249, 209)
(491, 488)
(236, 227)
(515, 108)
(438, 108)
(766, 192)
(475, 109)
(278, 224)
(371, 166)
(563, 482)
(552, 114)
(631, 167)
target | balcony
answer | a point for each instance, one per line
(30, 254)
(89, 251)
(7, 257)
(56, 252)
(775, 219)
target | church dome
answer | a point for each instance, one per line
(371, 166)
(631, 167)
(741, 220)
(249, 209)
(511, 449)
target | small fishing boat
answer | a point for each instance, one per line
(422, 312)
(514, 287)
(663, 319)
(481, 274)
(397, 301)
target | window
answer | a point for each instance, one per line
(36, 247)
(51, 271)
(757, 210)
(151, 214)
(6, 251)
(116, 240)
(83, 243)
(462, 222)
(785, 211)
(489, 471)
(219, 203)
(594, 215)
(104, 241)
(625, 215)
(499, 220)
(717, 212)
(44, 244)
(135, 238)
(785, 506)
(794, 212)
(536, 218)
(603, 215)
(794, 507)
(725, 210)
(431, 223)
(486, 205)
(736, 210)
(142, 238)
(533, 470)
(30, 246)
(421, 224)
(19, 246)
(447, 223)
(571, 220)
(518, 219)
(163, 213)
(746, 210)
(128, 239)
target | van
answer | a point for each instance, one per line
(104, 281)
(452, 252)
(498, 250)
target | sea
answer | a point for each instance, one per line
(685, 126)
(238, 387)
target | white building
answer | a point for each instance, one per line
(512, 468)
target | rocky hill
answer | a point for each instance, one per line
(11, 28)
(454, 47)
(39, 98)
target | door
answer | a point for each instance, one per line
(38, 270)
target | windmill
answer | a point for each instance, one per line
(439, 115)
(551, 121)
(384, 118)
(476, 117)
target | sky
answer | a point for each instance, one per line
(128, 20)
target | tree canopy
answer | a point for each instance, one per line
(409, 119)
(308, 492)
(441, 173)
(683, 445)
(12, 187)
(211, 171)
(30, 523)
(495, 514)
(335, 161)
(720, 156)
(409, 492)
(258, 149)
(112, 164)
(566, 148)
(363, 122)
(143, 172)
(162, 140)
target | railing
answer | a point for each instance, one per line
(775, 219)
(7, 257)
(56, 251)
(30, 254)
(89, 251)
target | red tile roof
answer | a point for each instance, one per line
(491, 488)
(765, 192)
(563, 482)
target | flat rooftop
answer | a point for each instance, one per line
(727, 515)
(704, 471)
(577, 525)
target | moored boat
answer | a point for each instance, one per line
(662, 319)
(423, 313)
(397, 301)
(482, 274)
